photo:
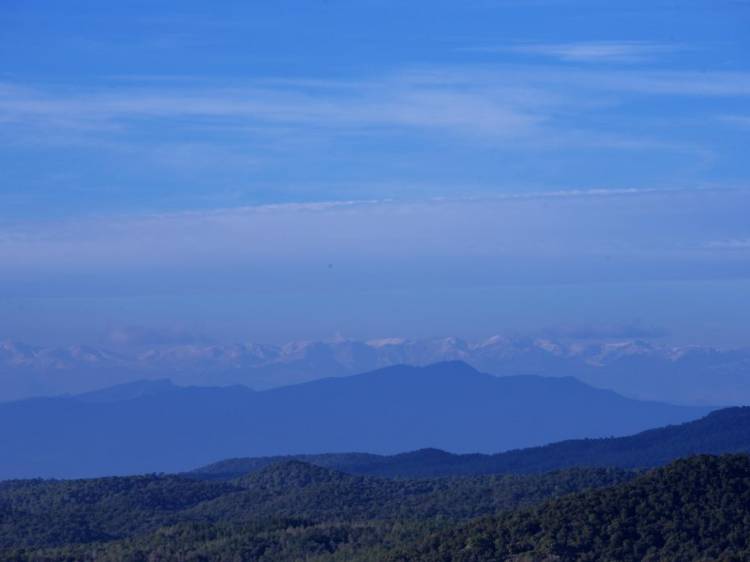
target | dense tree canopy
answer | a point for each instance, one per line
(694, 509)
(290, 497)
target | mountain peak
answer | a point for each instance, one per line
(291, 473)
(427, 454)
(446, 372)
(449, 406)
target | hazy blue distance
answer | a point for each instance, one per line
(282, 170)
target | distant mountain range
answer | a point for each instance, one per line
(156, 426)
(639, 369)
(720, 432)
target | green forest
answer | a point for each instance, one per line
(693, 509)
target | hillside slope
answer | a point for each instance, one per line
(722, 431)
(694, 509)
(38, 514)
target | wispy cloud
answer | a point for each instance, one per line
(498, 112)
(742, 121)
(266, 139)
(542, 226)
(517, 107)
(590, 52)
(501, 101)
(729, 244)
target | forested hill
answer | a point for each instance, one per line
(144, 517)
(722, 431)
(694, 509)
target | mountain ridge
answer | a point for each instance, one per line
(446, 406)
(636, 368)
(720, 432)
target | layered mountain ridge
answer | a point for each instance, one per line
(155, 426)
(720, 432)
(636, 368)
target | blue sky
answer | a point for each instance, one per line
(278, 170)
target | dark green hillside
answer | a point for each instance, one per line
(93, 519)
(695, 509)
(279, 540)
(296, 489)
(50, 512)
(722, 431)
(228, 469)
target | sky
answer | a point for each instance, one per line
(282, 170)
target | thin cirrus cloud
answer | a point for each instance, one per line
(192, 127)
(638, 227)
(495, 101)
(187, 128)
(384, 104)
(435, 130)
(591, 52)
(730, 244)
(741, 121)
